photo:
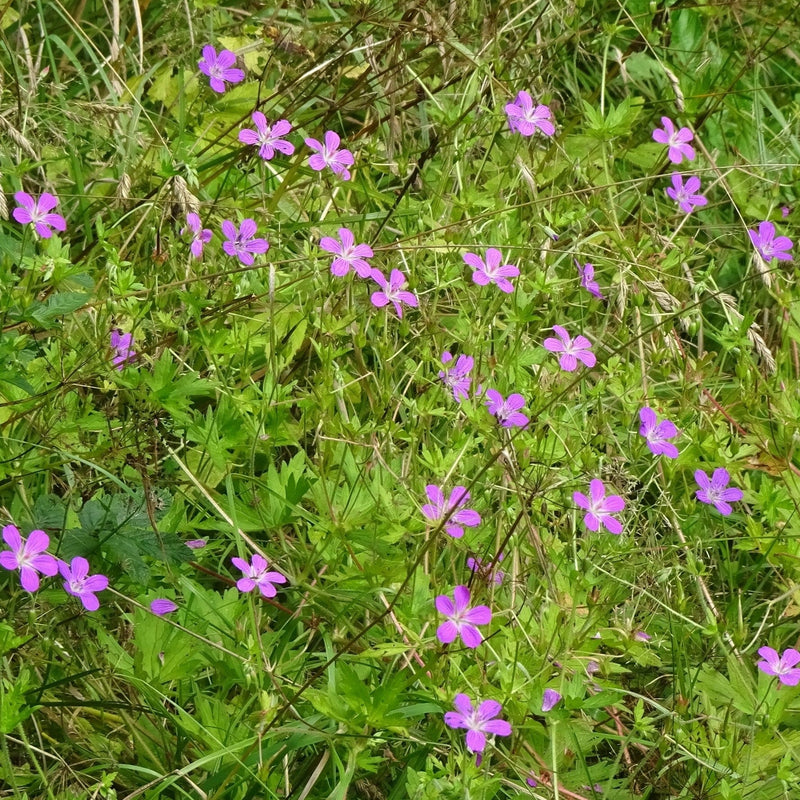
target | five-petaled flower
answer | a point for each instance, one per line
(329, 155)
(28, 556)
(588, 282)
(714, 490)
(268, 137)
(768, 245)
(200, 236)
(241, 243)
(161, 606)
(38, 213)
(439, 509)
(461, 618)
(219, 68)
(122, 344)
(686, 194)
(676, 140)
(656, 433)
(572, 350)
(507, 410)
(600, 507)
(486, 568)
(526, 118)
(456, 378)
(784, 667)
(392, 291)
(491, 270)
(478, 721)
(347, 254)
(549, 700)
(79, 583)
(257, 574)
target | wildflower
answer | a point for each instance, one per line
(478, 722)
(785, 211)
(79, 583)
(550, 700)
(684, 194)
(656, 433)
(461, 618)
(784, 667)
(256, 574)
(588, 282)
(201, 236)
(457, 377)
(525, 119)
(531, 780)
(439, 509)
(329, 155)
(573, 350)
(241, 243)
(196, 544)
(767, 245)
(642, 636)
(348, 254)
(714, 492)
(28, 556)
(121, 344)
(507, 411)
(268, 137)
(485, 568)
(392, 291)
(161, 606)
(491, 271)
(38, 213)
(219, 68)
(676, 140)
(600, 508)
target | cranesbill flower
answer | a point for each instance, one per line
(196, 544)
(527, 119)
(219, 68)
(656, 433)
(599, 508)
(256, 574)
(676, 140)
(491, 270)
(348, 254)
(28, 556)
(439, 509)
(161, 606)
(37, 213)
(714, 490)
(392, 291)
(685, 194)
(767, 245)
(456, 378)
(329, 155)
(241, 243)
(461, 618)
(486, 568)
(573, 350)
(588, 282)
(268, 137)
(550, 700)
(79, 583)
(122, 344)
(478, 721)
(784, 667)
(200, 236)
(507, 411)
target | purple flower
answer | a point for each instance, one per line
(219, 68)
(491, 270)
(550, 699)
(256, 574)
(507, 411)
(201, 236)
(461, 618)
(573, 350)
(392, 291)
(524, 118)
(588, 282)
(457, 377)
(642, 636)
(38, 213)
(79, 583)
(765, 242)
(241, 243)
(531, 780)
(785, 211)
(714, 492)
(121, 344)
(478, 722)
(784, 667)
(28, 556)
(268, 137)
(600, 508)
(676, 140)
(439, 509)
(196, 544)
(161, 606)
(656, 433)
(484, 568)
(684, 194)
(348, 254)
(329, 155)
